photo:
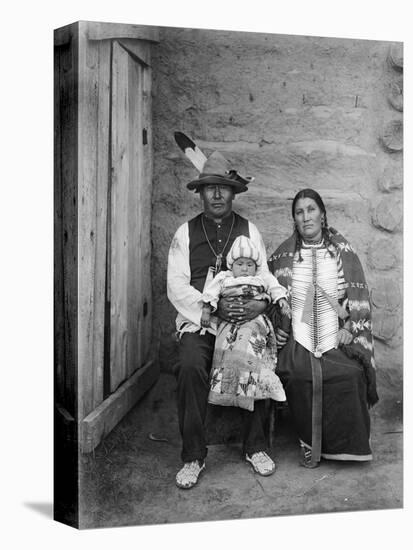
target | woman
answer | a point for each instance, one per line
(327, 363)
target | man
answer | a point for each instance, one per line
(198, 252)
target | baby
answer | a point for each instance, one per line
(245, 354)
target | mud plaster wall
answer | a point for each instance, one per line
(294, 112)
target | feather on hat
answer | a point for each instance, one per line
(214, 170)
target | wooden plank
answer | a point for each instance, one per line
(139, 216)
(66, 228)
(139, 50)
(58, 303)
(63, 35)
(102, 31)
(66, 474)
(134, 295)
(102, 420)
(130, 343)
(87, 221)
(145, 218)
(94, 76)
(132, 324)
(102, 183)
(119, 221)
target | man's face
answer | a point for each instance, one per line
(217, 200)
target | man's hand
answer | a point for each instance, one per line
(206, 317)
(281, 337)
(239, 310)
(205, 320)
(344, 337)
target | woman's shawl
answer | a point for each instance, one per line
(359, 304)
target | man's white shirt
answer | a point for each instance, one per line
(186, 299)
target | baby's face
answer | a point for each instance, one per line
(243, 267)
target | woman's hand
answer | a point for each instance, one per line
(284, 307)
(239, 310)
(281, 337)
(344, 337)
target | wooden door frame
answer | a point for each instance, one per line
(95, 416)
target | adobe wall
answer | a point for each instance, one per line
(294, 112)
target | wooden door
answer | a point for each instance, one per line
(130, 284)
(103, 180)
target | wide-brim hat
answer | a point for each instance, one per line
(218, 171)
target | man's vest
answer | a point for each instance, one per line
(220, 237)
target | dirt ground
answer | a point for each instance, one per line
(130, 479)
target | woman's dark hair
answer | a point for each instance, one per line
(311, 194)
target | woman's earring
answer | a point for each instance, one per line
(323, 223)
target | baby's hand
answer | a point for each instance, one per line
(284, 307)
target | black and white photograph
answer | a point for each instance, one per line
(164, 399)
(185, 159)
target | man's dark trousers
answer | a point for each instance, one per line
(195, 354)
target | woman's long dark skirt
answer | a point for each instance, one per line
(345, 417)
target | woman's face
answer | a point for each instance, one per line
(308, 218)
